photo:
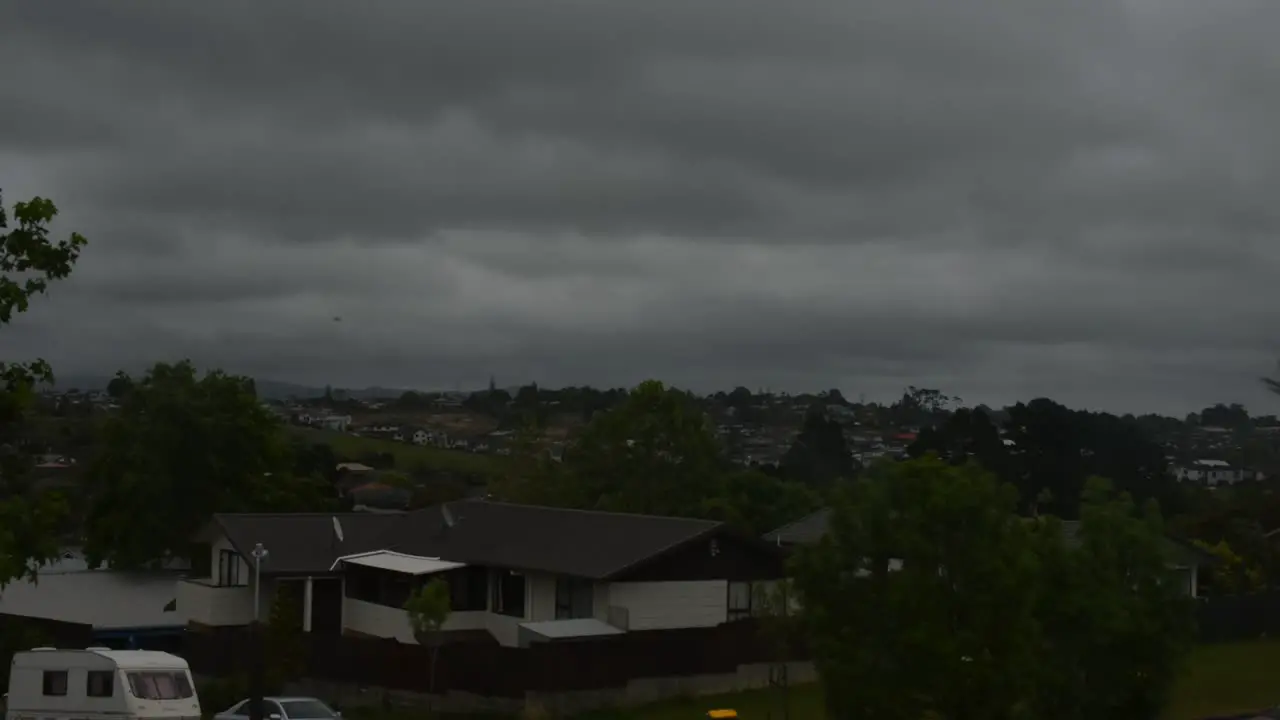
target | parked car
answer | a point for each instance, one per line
(283, 708)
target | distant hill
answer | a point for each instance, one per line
(267, 389)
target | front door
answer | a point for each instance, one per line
(326, 606)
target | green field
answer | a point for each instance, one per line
(1227, 679)
(408, 457)
(804, 703)
(1220, 680)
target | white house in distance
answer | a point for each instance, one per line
(517, 573)
(1213, 473)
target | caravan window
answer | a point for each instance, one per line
(55, 682)
(160, 685)
(99, 683)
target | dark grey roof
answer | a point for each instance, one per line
(582, 543)
(808, 529)
(1181, 550)
(303, 542)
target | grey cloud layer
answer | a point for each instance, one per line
(1038, 198)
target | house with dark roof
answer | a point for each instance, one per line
(808, 529)
(1186, 558)
(516, 573)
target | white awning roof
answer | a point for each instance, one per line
(398, 562)
(576, 628)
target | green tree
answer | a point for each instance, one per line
(757, 502)
(818, 456)
(1234, 574)
(284, 645)
(921, 598)
(29, 261)
(931, 597)
(656, 454)
(1115, 619)
(119, 386)
(181, 448)
(780, 625)
(428, 608)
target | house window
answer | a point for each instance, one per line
(55, 683)
(468, 589)
(573, 598)
(508, 593)
(739, 600)
(378, 587)
(99, 683)
(229, 569)
(362, 584)
(396, 589)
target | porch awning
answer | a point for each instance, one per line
(566, 629)
(398, 563)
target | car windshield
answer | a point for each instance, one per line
(161, 685)
(309, 709)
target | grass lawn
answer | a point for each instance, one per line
(1227, 679)
(407, 456)
(1220, 680)
(805, 704)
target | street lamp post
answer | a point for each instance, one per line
(259, 554)
(258, 669)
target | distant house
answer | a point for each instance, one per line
(1214, 473)
(338, 423)
(324, 420)
(805, 531)
(353, 467)
(517, 573)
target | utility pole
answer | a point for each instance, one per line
(258, 669)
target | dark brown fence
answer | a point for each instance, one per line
(18, 629)
(1231, 618)
(496, 671)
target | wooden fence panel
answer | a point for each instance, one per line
(495, 671)
(1232, 618)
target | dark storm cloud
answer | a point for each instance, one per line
(1003, 199)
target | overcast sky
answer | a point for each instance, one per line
(1006, 200)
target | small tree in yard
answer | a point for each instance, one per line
(428, 609)
(780, 629)
(285, 645)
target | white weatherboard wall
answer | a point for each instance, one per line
(539, 597)
(388, 622)
(203, 601)
(672, 605)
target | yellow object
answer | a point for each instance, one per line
(720, 714)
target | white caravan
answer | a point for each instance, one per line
(99, 683)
